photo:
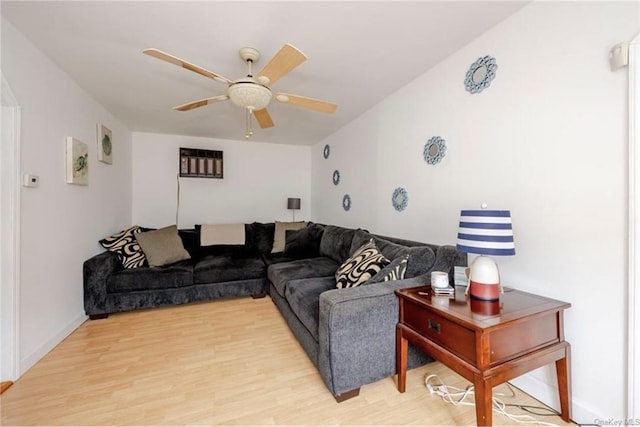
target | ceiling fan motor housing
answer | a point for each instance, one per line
(246, 93)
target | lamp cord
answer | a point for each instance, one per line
(177, 197)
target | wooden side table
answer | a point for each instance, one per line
(487, 343)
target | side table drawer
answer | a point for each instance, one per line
(523, 337)
(455, 338)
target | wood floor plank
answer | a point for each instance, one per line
(228, 362)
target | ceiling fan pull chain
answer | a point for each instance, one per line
(249, 133)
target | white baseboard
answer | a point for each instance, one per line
(28, 362)
(580, 413)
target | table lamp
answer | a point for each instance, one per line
(293, 204)
(485, 232)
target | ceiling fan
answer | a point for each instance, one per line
(253, 93)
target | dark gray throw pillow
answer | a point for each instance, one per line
(303, 243)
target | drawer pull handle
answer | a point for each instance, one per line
(434, 326)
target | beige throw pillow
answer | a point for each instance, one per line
(280, 234)
(163, 246)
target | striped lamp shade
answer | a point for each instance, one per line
(486, 232)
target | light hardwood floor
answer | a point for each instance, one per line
(228, 362)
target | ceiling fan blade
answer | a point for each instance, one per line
(263, 118)
(201, 103)
(284, 61)
(306, 102)
(184, 64)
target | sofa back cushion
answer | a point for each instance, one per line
(303, 243)
(336, 242)
(279, 234)
(421, 256)
(263, 236)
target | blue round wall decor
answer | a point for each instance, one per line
(327, 151)
(400, 199)
(480, 74)
(336, 177)
(434, 150)
(346, 202)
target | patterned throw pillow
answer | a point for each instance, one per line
(365, 263)
(125, 245)
(393, 271)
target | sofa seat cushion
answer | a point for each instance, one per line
(281, 274)
(276, 258)
(303, 296)
(228, 268)
(149, 278)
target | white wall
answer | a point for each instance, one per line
(258, 179)
(60, 223)
(546, 140)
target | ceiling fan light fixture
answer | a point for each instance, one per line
(250, 95)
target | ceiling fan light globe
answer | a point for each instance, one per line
(249, 95)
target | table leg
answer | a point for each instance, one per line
(402, 349)
(564, 384)
(483, 396)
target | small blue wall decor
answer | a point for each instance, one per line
(434, 150)
(480, 74)
(346, 202)
(327, 151)
(399, 199)
(336, 177)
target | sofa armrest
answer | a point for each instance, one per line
(356, 334)
(95, 272)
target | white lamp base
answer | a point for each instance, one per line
(484, 279)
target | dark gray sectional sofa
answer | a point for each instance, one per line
(349, 334)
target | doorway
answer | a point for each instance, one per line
(633, 358)
(9, 235)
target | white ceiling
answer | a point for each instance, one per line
(359, 53)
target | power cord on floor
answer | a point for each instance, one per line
(457, 396)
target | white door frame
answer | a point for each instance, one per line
(10, 236)
(633, 332)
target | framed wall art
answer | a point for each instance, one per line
(77, 162)
(105, 144)
(196, 163)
